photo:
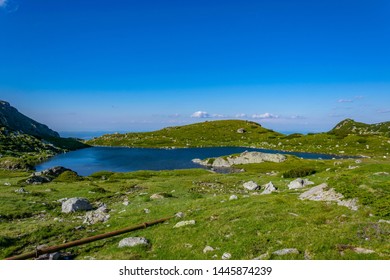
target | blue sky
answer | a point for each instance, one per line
(143, 65)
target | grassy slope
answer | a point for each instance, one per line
(206, 134)
(246, 228)
(224, 133)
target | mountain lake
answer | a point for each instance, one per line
(121, 159)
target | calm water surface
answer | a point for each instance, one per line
(118, 159)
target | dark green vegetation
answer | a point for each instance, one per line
(248, 227)
(225, 133)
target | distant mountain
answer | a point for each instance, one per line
(12, 119)
(350, 126)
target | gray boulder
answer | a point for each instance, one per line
(252, 186)
(76, 204)
(184, 223)
(52, 172)
(299, 183)
(269, 188)
(133, 241)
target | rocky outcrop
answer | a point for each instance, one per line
(12, 119)
(324, 193)
(243, 158)
(46, 175)
(76, 204)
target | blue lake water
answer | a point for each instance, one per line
(118, 159)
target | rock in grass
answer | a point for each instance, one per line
(252, 186)
(226, 256)
(269, 188)
(99, 215)
(323, 193)
(207, 249)
(286, 251)
(359, 250)
(299, 183)
(233, 197)
(76, 204)
(133, 241)
(156, 196)
(184, 223)
(21, 190)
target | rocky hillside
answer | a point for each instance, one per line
(351, 127)
(12, 119)
(206, 134)
(24, 142)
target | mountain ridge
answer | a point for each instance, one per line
(12, 119)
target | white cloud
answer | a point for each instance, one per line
(345, 101)
(384, 111)
(3, 3)
(297, 117)
(265, 116)
(218, 116)
(201, 115)
(241, 115)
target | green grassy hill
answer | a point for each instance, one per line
(351, 127)
(227, 133)
(206, 134)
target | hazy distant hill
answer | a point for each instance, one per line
(11, 118)
(349, 126)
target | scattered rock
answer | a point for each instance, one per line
(384, 221)
(207, 249)
(7, 184)
(99, 215)
(337, 163)
(308, 255)
(156, 196)
(322, 193)
(269, 188)
(381, 173)
(299, 183)
(286, 251)
(226, 256)
(358, 161)
(76, 204)
(179, 215)
(147, 211)
(241, 130)
(272, 173)
(359, 250)
(352, 167)
(233, 197)
(21, 190)
(252, 186)
(262, 257)
(126, 202)
(184, 223)
(133, 241)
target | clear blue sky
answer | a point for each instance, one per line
(141, 65)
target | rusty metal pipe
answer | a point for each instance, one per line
(79, 242)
